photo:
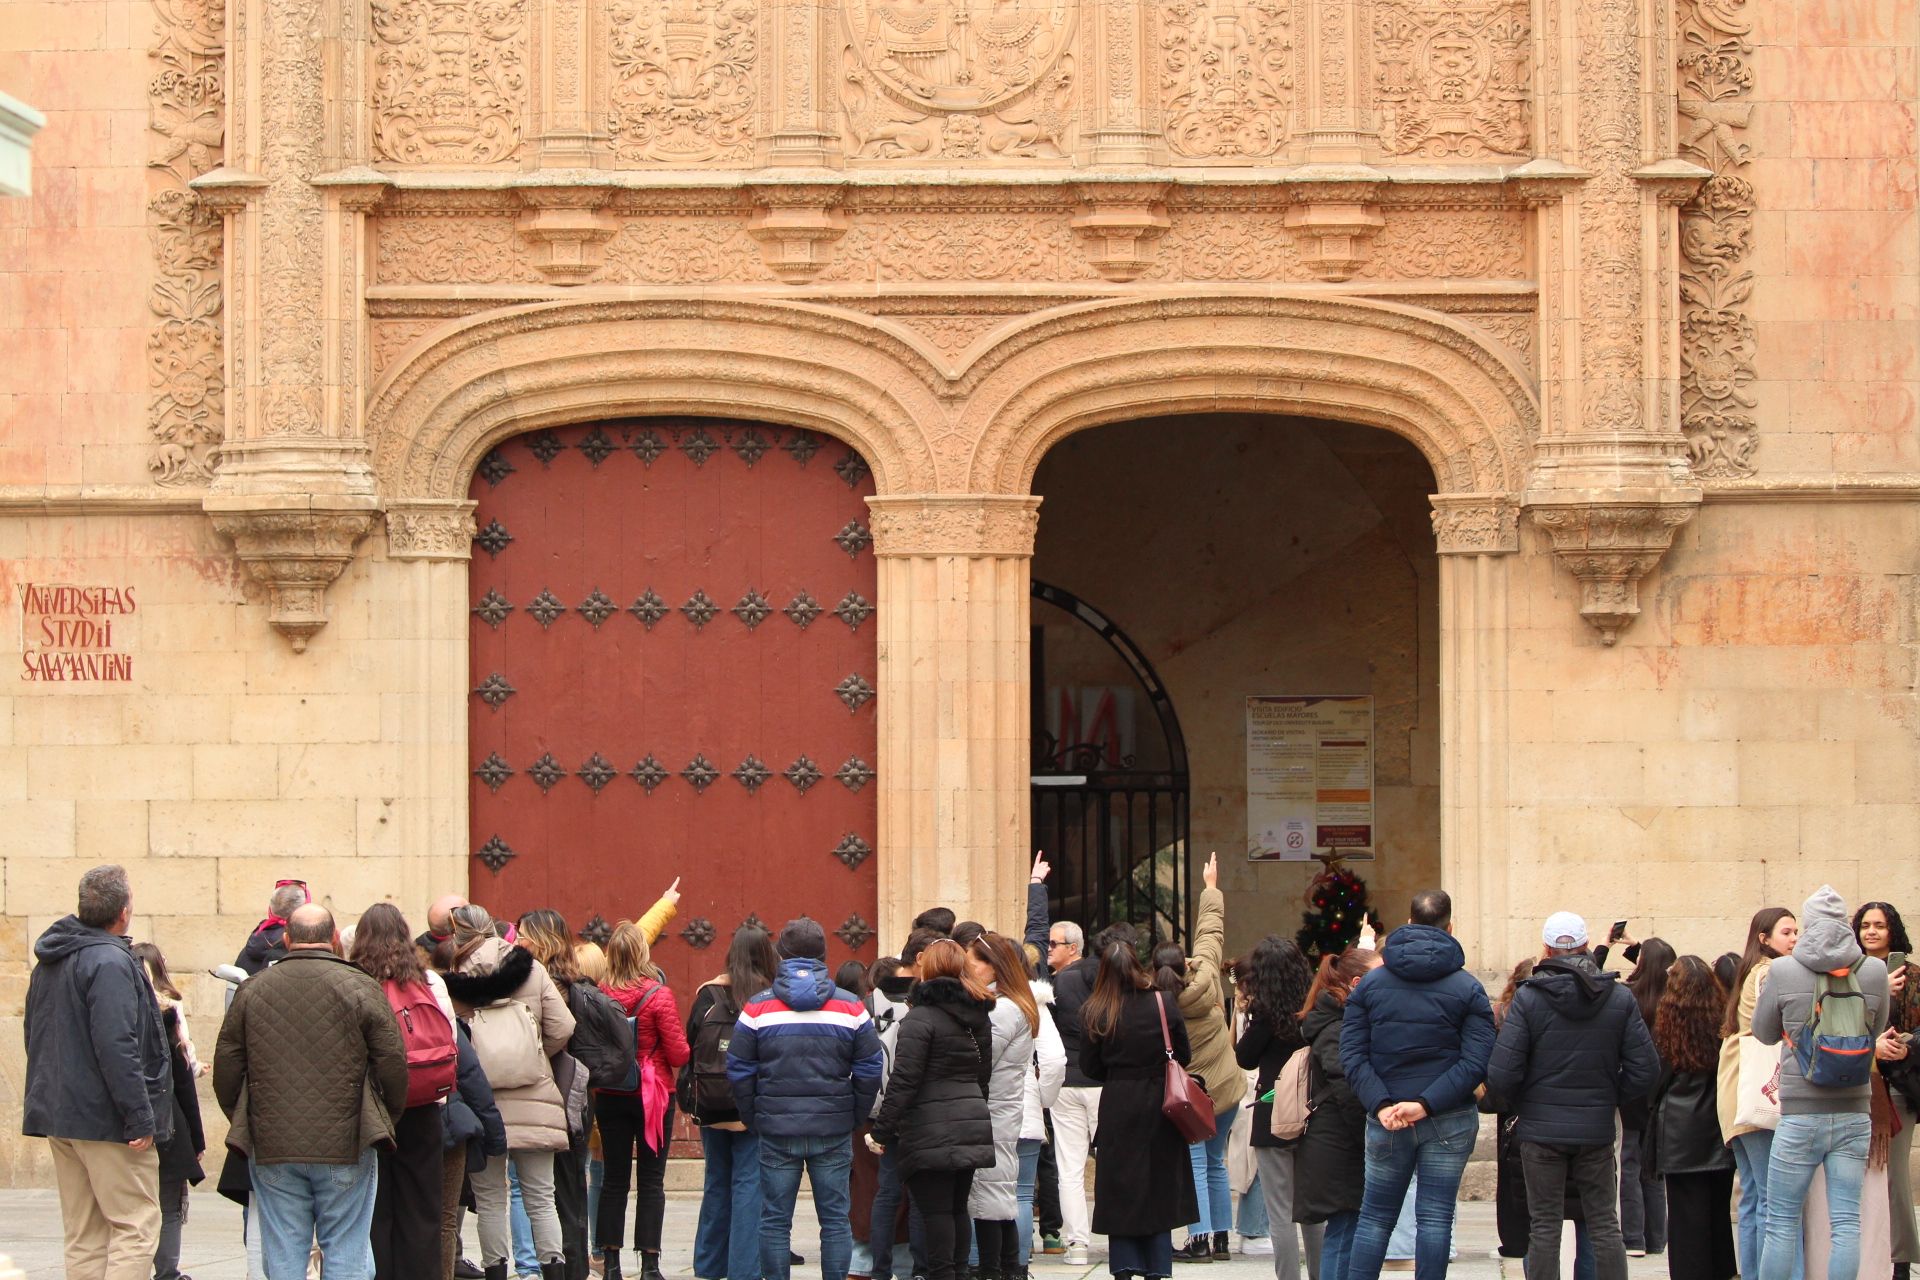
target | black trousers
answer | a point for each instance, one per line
(1589, 1174)
(570, 1203)
(406, 1199)
(1046, 1186)
(999, 1244)
(942, 1199)
(1699, 1232)
(624, 1147)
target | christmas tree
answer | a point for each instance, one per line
(1337, 908)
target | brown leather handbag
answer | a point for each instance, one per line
(1184, 1099)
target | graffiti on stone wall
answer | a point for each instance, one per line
(186, 138)
(1716, 231)
(1451, 77)
(450, 80)
(1226, 77)
(682, 80)
(958, 79)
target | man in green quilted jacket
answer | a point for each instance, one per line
(311, 1069)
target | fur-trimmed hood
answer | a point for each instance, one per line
(493, 972)
(952, 994)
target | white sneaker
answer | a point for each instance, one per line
(1256, 1246)
(1077, 1256)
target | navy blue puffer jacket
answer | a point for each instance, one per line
(1418, 1028)
(804, 1061)
(1573, 1046)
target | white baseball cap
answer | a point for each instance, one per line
(1564, 931)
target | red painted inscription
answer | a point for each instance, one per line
(66, 634)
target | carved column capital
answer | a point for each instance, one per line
(1609, 543)
(1333, 223)
(566, 229)
(1476, 524)
(430, 529)
(796, 226)
(295, 551)
(1117, 220)
(925, 524)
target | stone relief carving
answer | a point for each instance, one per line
(429, 530)
(1451, 77)
(388, 338)
(958, 246)
(682, 87)
(683, 251)
(186, 123)
(1226, 77)
(451, 249)
(450, 80)
(958, 79)
(966, 526)
(1716, 230)
(1610, 258)
(1476, 523)
(292, 217)
(1609, 547)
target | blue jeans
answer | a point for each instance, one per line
(727, 1241)
(1802, 1144)
(526, 1258)
(1437, 1148)
(1336, 1246)
(1028, 1149)
(1585, 1267)
(333, 1203)
(828, 1164)
(1252, 1214)
(596, 1174)
(1212, 1190)
(1751, 1153)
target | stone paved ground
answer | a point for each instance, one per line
(30, 1233)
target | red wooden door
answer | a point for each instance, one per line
(673, 661)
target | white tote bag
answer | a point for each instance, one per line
(1758, 1106)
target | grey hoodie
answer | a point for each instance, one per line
(1826, 944)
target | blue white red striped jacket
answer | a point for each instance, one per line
(805, 1060)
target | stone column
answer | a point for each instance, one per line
(1332, 103)
(1125, 99)
(1610, 456)
(294, 489)
(1476, 535)
(566, 85)
(804, 51)
(954, 746)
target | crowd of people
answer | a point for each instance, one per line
(944, 1103)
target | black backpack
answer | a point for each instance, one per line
(703, 1090)
(603, 1037)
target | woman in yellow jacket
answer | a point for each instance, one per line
(1194, 980)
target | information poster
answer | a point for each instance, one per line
(1309, 777)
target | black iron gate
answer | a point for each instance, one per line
(1117, 834)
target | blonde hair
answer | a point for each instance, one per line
(629, 959)
(591, 961)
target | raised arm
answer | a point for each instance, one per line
(1039, 914)
(654, 922)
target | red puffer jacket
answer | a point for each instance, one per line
(657, 1030)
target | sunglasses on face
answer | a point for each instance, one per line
(281, 884)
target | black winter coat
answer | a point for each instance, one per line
(1330, 1162)
(1071, 987)
(1684, 1135)
(1573, 1047)
(180, 1153)
(934, 1117)
(263, 947)
(98, 1069)
(1264, 1048)
(1143, 1181)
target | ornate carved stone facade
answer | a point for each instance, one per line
(187, 124)
(449, 80)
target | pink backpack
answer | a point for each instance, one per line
(432, 1056)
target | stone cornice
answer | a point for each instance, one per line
(1896, 486)
(922, 524)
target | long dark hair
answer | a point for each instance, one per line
(1120, 976)
(149, 955)
(1275, 980)
(1759, 929)
(383, 946)
(751, 963)
(1009, 967)
(1684, 1024)
(1169, 964)
(1649, 977)
(1335, 976)
(1896, 928)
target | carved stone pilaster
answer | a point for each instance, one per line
(566, 230)
(800, 92)
(1118, 220)
(567, 69)
(1609, 543)
(1330, 97)
(954, 525)
(430, 529)
(796, 227)
(1476, 524)
(1122, 131)
(295, 551)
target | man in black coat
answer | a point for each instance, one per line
(1572, 1048)
(99, 1081)
(268, 941)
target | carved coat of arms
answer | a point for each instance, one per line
(958, 55)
